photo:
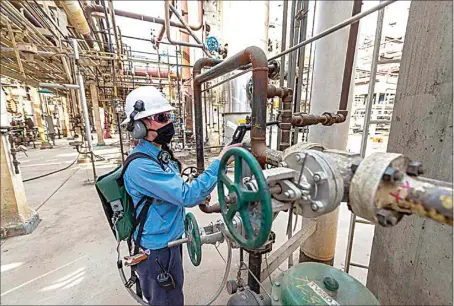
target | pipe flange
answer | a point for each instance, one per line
(301, 146)
(373, 171)
(325, 185)
(329, 120)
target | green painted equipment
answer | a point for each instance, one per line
(194, 244)
(253, 207)
(319, 284)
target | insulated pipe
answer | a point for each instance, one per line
(257, 58)
(77, 19)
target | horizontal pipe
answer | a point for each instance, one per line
(152, 72)
(59, 86)
(209, 209)
(92, 8)
(310, 119)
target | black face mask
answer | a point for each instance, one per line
(165, 134)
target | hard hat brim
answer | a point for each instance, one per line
(148, 113)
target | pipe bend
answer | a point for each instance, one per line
(209, 209)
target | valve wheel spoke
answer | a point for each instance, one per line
(238, 169)
(247, 223)
(225, 179)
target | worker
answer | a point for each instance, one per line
(159, 179)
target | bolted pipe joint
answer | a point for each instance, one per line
(388, 218)
(392, 175)
(415, 169)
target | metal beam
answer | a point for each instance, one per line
(286, 250)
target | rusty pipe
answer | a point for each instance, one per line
(311, 119)
(97, 8)
(286, 120)
(162, 30)
(195, 27)
(349, 59)
(196, 71)
(274, 91)
(167, 8)
(209, 209)
(257, 58)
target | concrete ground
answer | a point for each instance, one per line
(70, 257)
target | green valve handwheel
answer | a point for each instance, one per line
(192, 232)
(253, 206)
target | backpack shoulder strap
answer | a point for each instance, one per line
(132, 157)
(141, 222)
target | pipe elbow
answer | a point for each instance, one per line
(257, 57)
(209, 209)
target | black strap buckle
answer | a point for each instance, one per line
(131, 281)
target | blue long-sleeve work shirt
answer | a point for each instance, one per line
(165, 220)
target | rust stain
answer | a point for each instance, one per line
(446, 201)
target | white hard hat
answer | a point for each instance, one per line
(153, 100)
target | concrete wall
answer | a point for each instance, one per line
(411, 263)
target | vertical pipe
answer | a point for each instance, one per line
(97, 117)
(350, 57)
(84, 104)
(205, 110)
(255, 265)
(301, 58)
(310, 62)
(181, 123)
(282, 68)
(372, 78)
(290, 73)
(364, 136)
(186, 71)
(121, 139)
(320, 247)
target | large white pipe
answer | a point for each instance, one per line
(327, 84)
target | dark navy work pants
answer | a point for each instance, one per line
(148, 270)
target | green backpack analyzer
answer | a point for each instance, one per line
(121, 215)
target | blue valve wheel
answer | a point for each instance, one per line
(212, 43)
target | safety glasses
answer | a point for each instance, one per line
(161, 117)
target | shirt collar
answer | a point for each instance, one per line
(148, 147)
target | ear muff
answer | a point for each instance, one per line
(139, 106)
(137, 127)
(139, 131)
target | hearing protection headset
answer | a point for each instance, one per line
(139, 130)
(137, 127)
